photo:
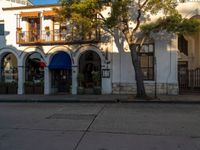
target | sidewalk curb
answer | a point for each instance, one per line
(99, 101)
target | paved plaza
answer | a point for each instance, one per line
(99, 126)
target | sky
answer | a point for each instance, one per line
(39, 2)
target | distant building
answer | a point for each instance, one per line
(42, 56)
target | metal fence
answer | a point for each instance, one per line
(189, 80)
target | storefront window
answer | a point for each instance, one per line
(35, 68)
(90, 64)
(9, 68)
(1, 28)
(61, 72)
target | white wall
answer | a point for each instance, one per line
(5, 4)
(166, 56)
(3, 16)
(189, 9)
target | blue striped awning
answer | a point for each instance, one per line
(61, 60)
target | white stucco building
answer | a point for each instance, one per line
(45, 56)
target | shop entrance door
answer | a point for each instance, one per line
(61, 73)
(90, 68)
(61, 80)
(34, 29)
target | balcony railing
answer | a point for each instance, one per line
(56, 37)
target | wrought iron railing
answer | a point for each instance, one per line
(56, 36)
(189, 80)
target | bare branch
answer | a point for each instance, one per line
(143, 5)
(102, 17)
(138, 22)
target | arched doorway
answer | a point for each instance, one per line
(90, 70)
(9, 74)
(61, 73)
(34, 74)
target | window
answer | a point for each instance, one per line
(9, 68)
(35, 68)
(146, 55)
(1, 29)
(183, 45)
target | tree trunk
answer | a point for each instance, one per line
(141, 93)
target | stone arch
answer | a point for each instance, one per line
(6, 50)
(28, 51)
(57, 49)
(105, 82)
(34, 73)
(89, 65)
(9, 72)
(83, 49)
(9, 62)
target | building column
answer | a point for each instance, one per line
(21, 79)
(47, 81)
(74, 80)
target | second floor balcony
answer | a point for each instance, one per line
(41, 27)
(56, 37)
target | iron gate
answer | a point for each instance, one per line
(189, 80)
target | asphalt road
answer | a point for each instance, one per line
(89, 126)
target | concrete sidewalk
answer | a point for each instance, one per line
(99, 98)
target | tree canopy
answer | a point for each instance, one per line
(173, 24)
(88, 13)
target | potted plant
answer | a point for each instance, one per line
(39, 87)
(63, 28)
(47, 28)
(96, 77)
(19, 30)
(80, 79)
(3, 88)
(12, 87)
(29, 87)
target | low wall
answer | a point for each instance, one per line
(162, 88)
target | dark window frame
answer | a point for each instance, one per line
(148, 54)
(183, 44)
(2, 32)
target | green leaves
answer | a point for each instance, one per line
(82, 13)
(189, 26)
(154, 6)
(174, 24)
(88, 15)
